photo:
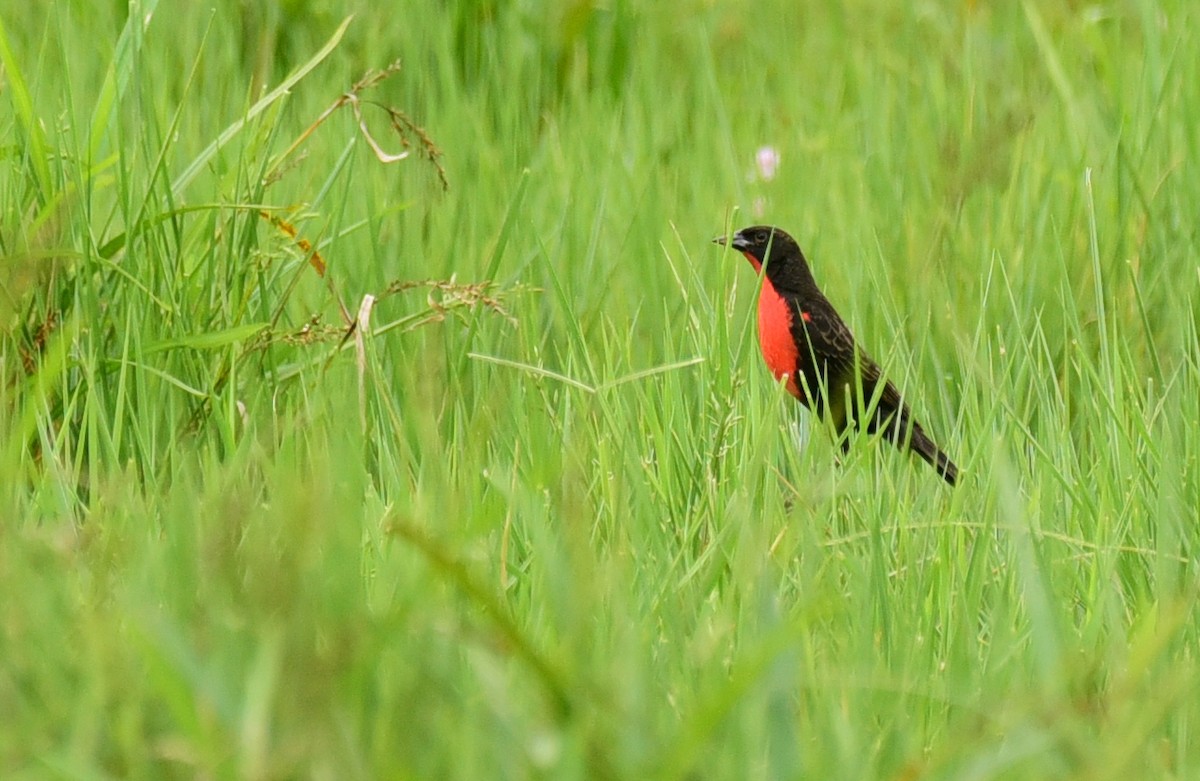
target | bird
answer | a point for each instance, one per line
(808, 347)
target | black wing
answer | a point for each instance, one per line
(827, 355)
(832, 364)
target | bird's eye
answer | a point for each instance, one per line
(761, 237)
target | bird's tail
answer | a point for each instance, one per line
(926, 449)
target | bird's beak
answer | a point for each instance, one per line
(737, 242)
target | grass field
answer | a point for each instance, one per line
(543, 514)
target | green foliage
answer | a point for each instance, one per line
(541, 512)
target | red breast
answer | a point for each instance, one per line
(775, 340)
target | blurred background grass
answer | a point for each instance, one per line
(559, 526)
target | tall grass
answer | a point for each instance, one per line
(309, 467)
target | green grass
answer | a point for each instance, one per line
(559, 526)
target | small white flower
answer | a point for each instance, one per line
(767, 160)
